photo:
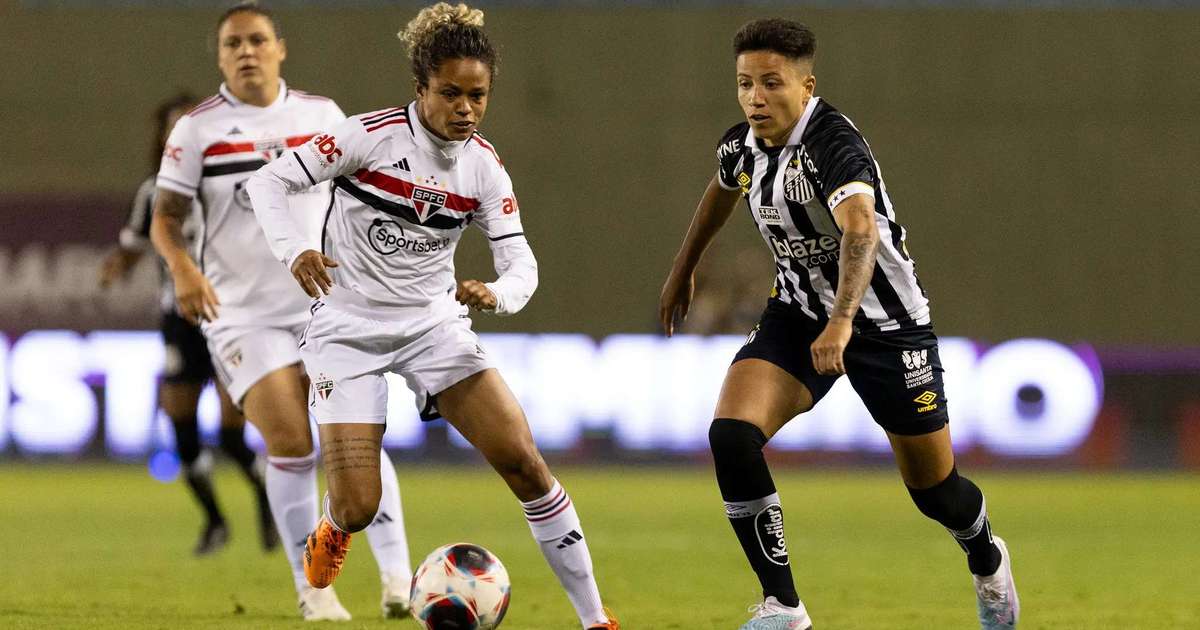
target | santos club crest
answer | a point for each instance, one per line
(427, 201)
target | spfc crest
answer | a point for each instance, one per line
(427, 201)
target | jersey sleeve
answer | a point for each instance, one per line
(182, 160)
(135, 234)
(845, 165)
(499, 217)
(730, 155)
(344, 148)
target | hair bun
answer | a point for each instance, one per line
(440, 15)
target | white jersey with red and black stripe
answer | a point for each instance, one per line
(401, 199)
(210, 154)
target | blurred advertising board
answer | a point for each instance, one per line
(64, 393)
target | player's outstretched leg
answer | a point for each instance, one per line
(959, 506)
(351, 454)
(233, 442)
(753, 508)
(389, 543)
(485, 412)
(179, 402)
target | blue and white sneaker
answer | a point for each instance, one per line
(772, 615)
(996, 594)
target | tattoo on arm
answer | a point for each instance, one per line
(350, 454)
(171, 209)
(855, 268)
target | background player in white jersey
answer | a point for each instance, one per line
(188, 366)
(407, 182)
(252, 312)
(845, 302)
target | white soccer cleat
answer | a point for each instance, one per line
(996, 594)
(396, 588)
(321, 604)
(772, 615)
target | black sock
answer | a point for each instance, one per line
(233, 443)
(959, 506)
(752, 505)
(196, 469)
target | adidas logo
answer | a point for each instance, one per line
(402, 165)
(382, 518)
(570, 539)
(234, 132)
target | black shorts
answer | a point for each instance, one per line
(897, 374)
(187, 359)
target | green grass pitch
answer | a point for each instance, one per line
(104, 546)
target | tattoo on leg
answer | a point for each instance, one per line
(350, 454)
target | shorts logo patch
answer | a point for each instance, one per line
(752, 335)
(914, 359)
(768, 524)
(920, 372)
(925, 400)
(323, 387)
(234, 358)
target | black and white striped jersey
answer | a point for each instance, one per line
(791, 192)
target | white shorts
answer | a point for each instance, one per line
(242, 355)
(350, 344)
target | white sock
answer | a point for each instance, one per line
(555, 527)
(292, 492)
(389, 543)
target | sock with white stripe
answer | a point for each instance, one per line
(555, 527)
(752, 505)
(386, 534)
(292, 491)
(958, 504)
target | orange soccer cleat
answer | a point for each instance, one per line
(324, 551)
(612, 624)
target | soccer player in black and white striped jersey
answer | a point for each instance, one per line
(846, 300)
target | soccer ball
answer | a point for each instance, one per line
(460, 587)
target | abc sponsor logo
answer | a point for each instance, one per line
(324, 148)
(810, 252)
(387, 237)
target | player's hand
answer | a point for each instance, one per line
(197, 300)
(116, 266)
(675, 300)
(310, 269)
(476, 295)
(830, 345)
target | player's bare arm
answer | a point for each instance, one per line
(711, 215)
(117, 264)
(856, 264)
(196, 297)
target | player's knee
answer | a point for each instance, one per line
(288, 441)
(734, 439)
(354, 511)
(952, 502)
(524, 469)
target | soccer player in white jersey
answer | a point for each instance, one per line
(251, 311)
(846, 301)
(407, 183)
(188, 366)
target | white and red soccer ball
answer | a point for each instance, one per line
(460, 587)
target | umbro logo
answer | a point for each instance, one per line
(570, 539)
(402, 165)
(234, 132)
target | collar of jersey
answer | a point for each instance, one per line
(236, 102)
(445, 149)
(798, 130)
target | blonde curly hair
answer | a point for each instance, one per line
(444, 31)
